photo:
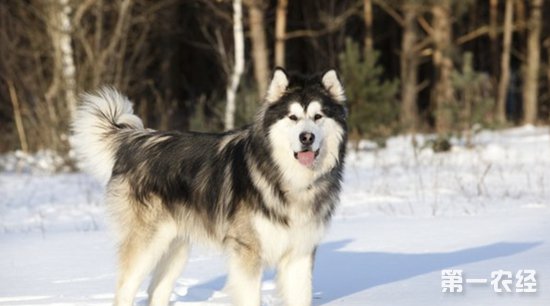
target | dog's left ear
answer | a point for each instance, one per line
(332, 84)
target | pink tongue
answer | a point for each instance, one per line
(306, 158)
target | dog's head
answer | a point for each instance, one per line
(305, 118)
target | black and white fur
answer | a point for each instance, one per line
(245, 191)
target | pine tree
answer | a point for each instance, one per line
(373, 112)
(474, 101)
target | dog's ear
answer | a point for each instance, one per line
(332, 84)
(278, 85)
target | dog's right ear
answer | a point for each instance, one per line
(278, 85)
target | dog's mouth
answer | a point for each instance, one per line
(306, 157)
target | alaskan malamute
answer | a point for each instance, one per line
(264, 193)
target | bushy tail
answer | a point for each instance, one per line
(97, 123)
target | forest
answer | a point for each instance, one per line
(445, 67)
(442, 198)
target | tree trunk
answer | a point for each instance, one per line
(493, 36)
(109, 45)
(238, 38)
(505, 63)
(443, 94)
(467, 99)
(547, 45)
(280, 31)
(259, 45)
(520, 16)
(409, 69)
(18, 118)
(530, 79)
(367, 13)
(60, 33)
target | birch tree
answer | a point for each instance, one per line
(60, 30)
(238, 65)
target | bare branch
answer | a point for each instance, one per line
(18, 118)
(423, 44)
(390, 11)
(332, 24)
(425, 25)
(117, 33)
(81, 10)
(217, 11)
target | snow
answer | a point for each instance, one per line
(42, 162)
(406, 213)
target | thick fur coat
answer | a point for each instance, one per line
(264, 193)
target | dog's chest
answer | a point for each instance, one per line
(278, 241)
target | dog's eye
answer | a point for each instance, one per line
(317, 117)
(293, 118)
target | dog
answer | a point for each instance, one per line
(264, 193)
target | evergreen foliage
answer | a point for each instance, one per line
(372, 105)
(474, 99)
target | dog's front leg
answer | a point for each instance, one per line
(245, 273)
(294, 279)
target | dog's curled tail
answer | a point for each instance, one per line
(97, 125)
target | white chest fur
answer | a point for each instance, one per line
(298, 238)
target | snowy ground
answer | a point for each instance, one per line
(406, 215)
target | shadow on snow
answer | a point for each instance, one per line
(339, 273)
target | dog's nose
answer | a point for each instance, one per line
(307, 138)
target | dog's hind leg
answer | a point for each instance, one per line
(166, 272)
(138, 255)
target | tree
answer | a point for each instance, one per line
(104, 48)
(505, 64)
(61, 31)
(547, 46)
(238, 68)
(259, 43)
(493, 37)
(280, 32)
(443, 94)
(474, 98)
(409, 68)
(367, 14)
(177, 60)
(532, 65)
(371, 101)
(18, 117)
(411, 45)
